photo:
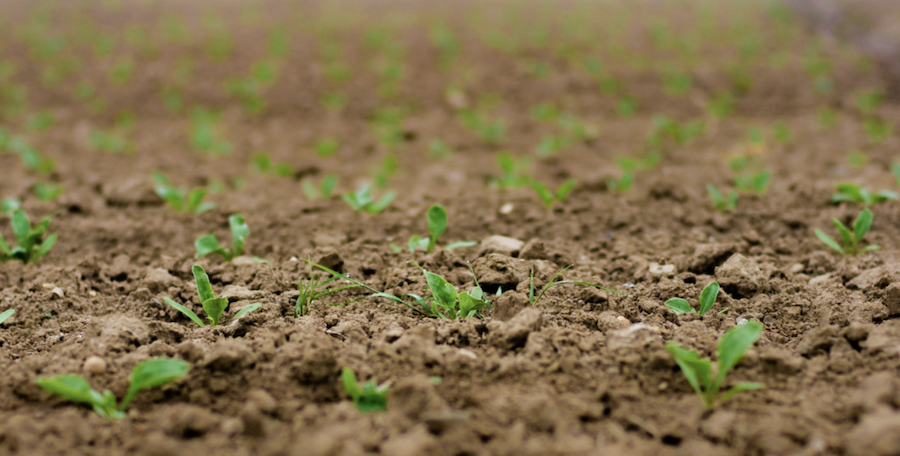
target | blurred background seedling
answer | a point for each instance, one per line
(179, 198)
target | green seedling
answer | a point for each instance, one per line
(707, 301)
(213, 306)
(755, 183)
(48, 192)
(8, 205)
(361, 200)
(512, 171)
(6, 314)
(869, 101)
(550, 145)
(32, 245)
(720, 201)
(877, 129)
(261, 163)
(209, 244)
(857, 158)
(368, 398)
(544, 112)
(553, 282)
(782, 133)
(334, 100)
(855, 194)
(850, 239)
(575, 129)
(204, 133)
(829, 118)
(622, 183)
(721, 106)
(699, 372)
(437, 224)
(548, 197)
(325, 189)
(180, 198)
(152, 373)
(382, 174)
(314, 288)
(445, 302)
(326, 147)
(632, 164)
(439, 149)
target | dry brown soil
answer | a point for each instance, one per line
(583, 372)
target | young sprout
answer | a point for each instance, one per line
(48, 192)
(313, 289)
(850, 240)
(512, 171)
(179, 198)
(213, 306)
(261, 163)
(31, 242)
(361, 200)
(782, 133)
(707, 301)
(622, 183)
(203, 133)
(152, 373)
(549, 197)
(756, 183)
(855, 194)
(368, 398)
(720, 202)
(6, 314)
(553, 282)
(326, 147)
(877, 129)
(437, 224)
(445, 302)
(208, 244)
(857, 158)
(439, 149)
(699, 371)
(325, 189)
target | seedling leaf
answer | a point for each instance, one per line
(829, 241)
(861, 225)
(214, 308)
(204, 289)
(708, 297)
(437, 224)
(190, 313)
(152, 373)
(6, 314)
(679, 306)
(246, 310)
(72, 387)
(734, 344)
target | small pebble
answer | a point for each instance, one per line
(768, 319)
(741, 321)
(94, 365)
(506, 208)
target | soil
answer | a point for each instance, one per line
(582, 372)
